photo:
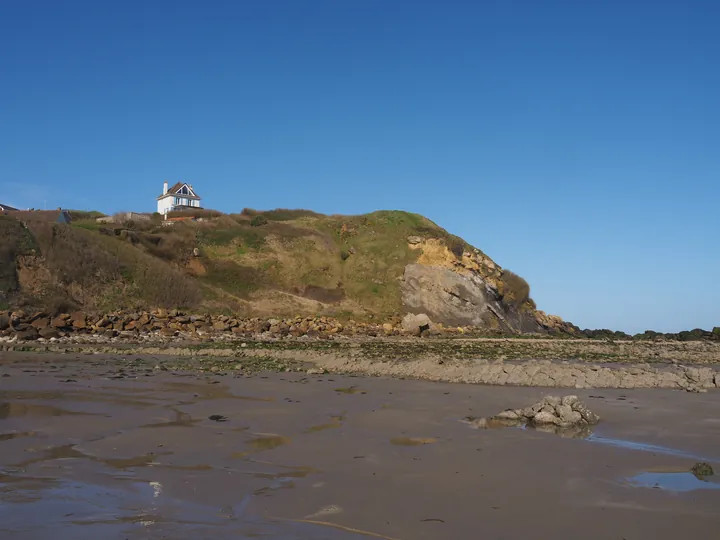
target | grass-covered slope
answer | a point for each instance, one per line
(283, 262)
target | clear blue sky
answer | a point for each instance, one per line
(577, 143)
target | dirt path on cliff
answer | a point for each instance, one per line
(94, 448)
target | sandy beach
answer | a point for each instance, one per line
(90, 451)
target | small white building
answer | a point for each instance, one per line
(181, 196)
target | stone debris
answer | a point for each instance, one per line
(174, 325)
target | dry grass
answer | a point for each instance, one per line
(110, 271)
(280, 214)
(15, 241)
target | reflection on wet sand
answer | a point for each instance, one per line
(15, 435)
(181, 419)
(412, 441)
(110, 512)
(583, 432)
(335, 422)
(211, 391)
(291, 472)
(673, 481)
(69, 451)
(97, 395)
(644, 447)
(350, 390)
(14, 409)
(567, 432)
(263, 441)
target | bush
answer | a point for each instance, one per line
(344, 255)
(457, 248)
(513, 289)
(84, 214)
(258, 221)
(196, 213)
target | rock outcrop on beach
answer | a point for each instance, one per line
(566, 416)
(552, 410)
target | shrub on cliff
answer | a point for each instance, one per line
(514, 289)
(258, 221)
(457, 248)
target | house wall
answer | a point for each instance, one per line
(165, 205)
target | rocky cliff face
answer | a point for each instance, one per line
(466, 289)
(457, 300)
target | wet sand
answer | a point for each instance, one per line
(88, 452)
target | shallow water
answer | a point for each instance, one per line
(78, 511)
(644, 447)
(673, 481)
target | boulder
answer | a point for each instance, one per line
(587, 415)
(79, 323)
(544, 417)
(28, 334)
(4, 321)
(48, 333)
(416, 324)
(552, 401)
(567, 416)
(508, 415)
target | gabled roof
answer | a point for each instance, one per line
(6, 208)
(177, 187)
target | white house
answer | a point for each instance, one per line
(181, 196)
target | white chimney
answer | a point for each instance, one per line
(165, 188)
